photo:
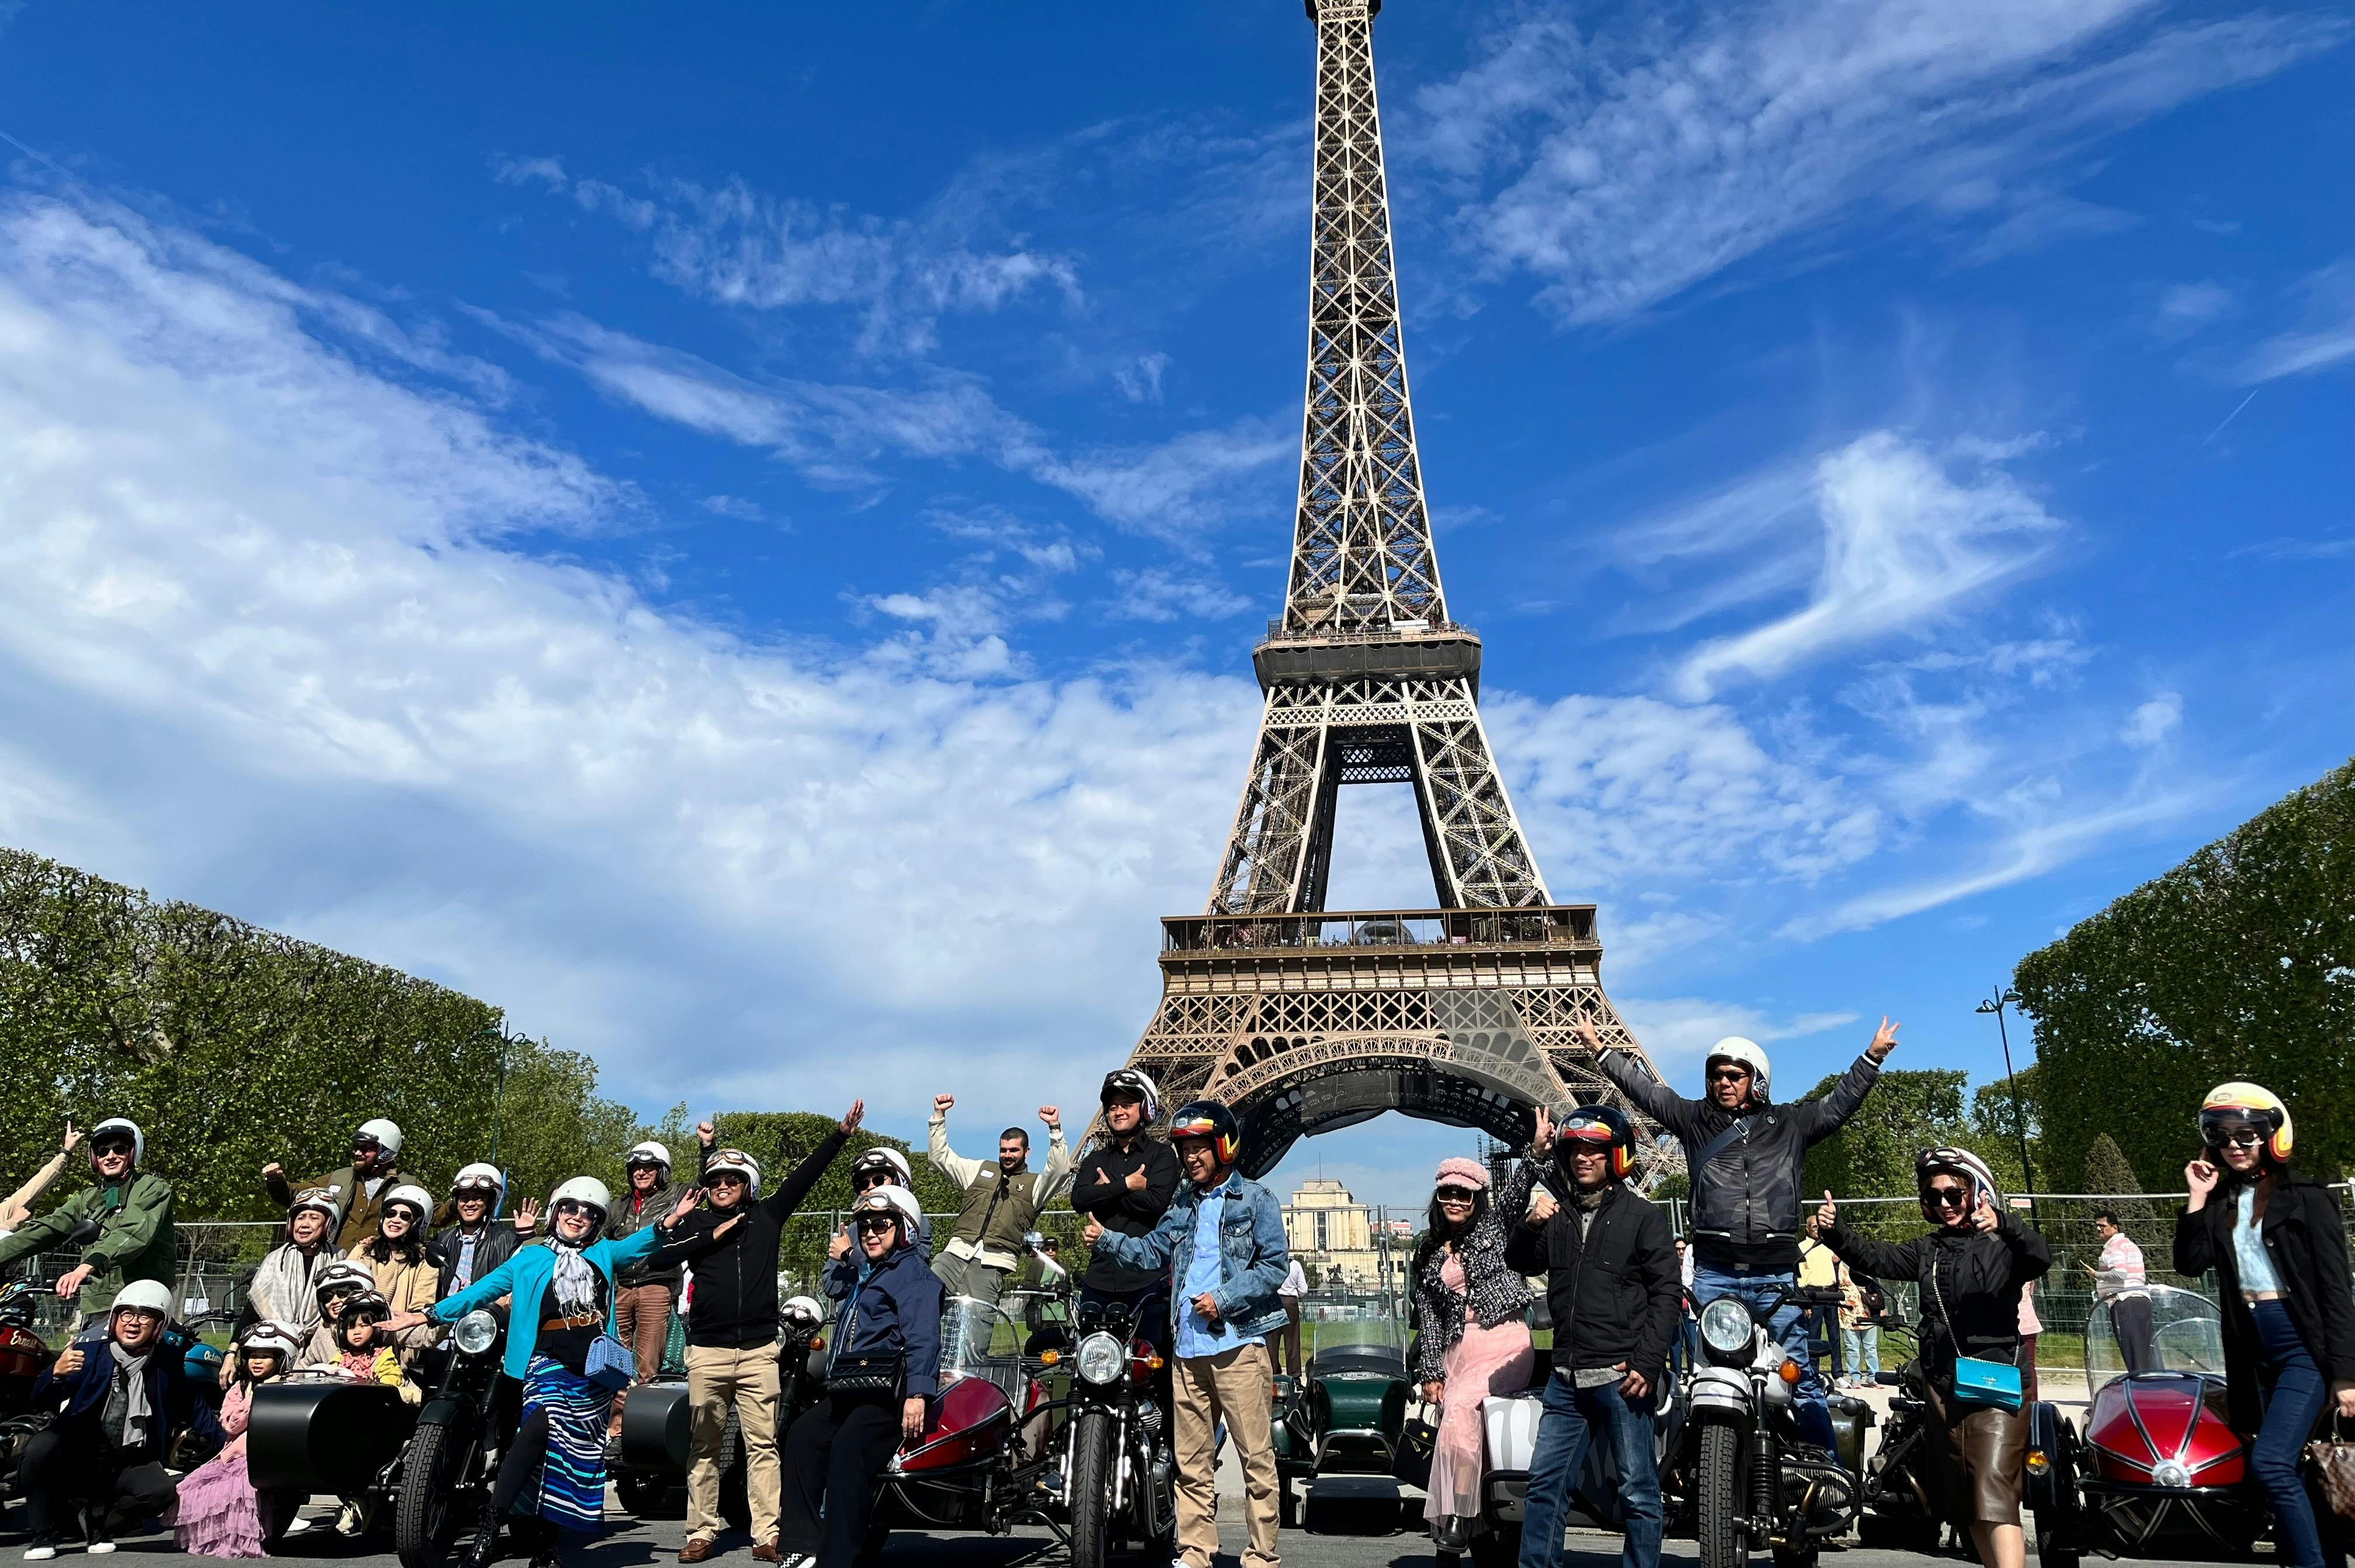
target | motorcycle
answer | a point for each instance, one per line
(658, 1426)
(314, 1432)
(1736, 1459)
(1116, 1468)
(2158, 1470)
(25, 1356)
(1346, 1417)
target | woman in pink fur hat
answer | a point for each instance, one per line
(1474, 1312)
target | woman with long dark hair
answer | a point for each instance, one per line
(1473, 1315)
(395, 1257)
(2274, 1238)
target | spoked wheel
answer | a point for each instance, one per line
(1717, 1489)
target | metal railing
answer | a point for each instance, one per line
(1553, 926)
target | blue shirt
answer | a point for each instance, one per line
(1196, 1336)
(2257, 1267)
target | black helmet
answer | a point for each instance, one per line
(1129, 1081)
(1606, 1125)
(1209, 1119)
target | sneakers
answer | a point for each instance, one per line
(94, 1531)
(40, 1549)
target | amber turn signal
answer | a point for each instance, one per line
(1157, 1363)
(1049, 1358)
(2039, 1460)
(1788, 1371)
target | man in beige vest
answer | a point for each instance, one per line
(1002, 1201)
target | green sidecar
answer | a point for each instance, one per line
(1346, 1418)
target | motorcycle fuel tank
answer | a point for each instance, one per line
(2167, 1428)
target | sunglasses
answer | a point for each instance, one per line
(365, 1145)
(1947, 1197)
(875, 1178)
(875, 1224)
(2237, 1138)
(1452, 1194)
(112, 1145)
(574, 1206)
(1727, 1074)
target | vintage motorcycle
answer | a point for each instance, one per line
(657, 1425)
(314, 1432)
(2158, 1470)
(1116, 1471)
(1734, 1454)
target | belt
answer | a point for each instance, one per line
(2253, 1295)
(577, 1320)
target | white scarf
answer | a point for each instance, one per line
(575, 1283)
(282, 1283)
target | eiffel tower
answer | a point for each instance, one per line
(1304, 1019)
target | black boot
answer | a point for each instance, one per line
(484, 1550)
(544, 1550)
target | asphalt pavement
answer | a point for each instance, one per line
(1363, 1534)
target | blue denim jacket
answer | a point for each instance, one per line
(1254, 1253)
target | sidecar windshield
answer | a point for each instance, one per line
(1354, 1333)
(980, 1340)
(2185, 1333)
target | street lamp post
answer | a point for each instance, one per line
(2004, 996)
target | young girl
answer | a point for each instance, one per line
(218, 1513)
(364, 1351)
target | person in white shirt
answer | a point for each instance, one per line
(1294, 1287)
(2121, 1285)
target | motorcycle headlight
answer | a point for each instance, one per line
(1726, 1327)
(1102, 1359)
(476, 1332)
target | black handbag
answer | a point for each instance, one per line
(1418, 1440)
(871, 1374)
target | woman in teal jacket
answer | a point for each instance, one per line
(563, 1299)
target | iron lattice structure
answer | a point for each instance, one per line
(1305, 1020)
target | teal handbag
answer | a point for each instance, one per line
(1988, 1386)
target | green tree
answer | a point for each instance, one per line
(1996, 1119)
(2237, 964)
(1872, 1154)
(2108, 1171)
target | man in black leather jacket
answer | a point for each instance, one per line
(463, 1253)
(1743, 1153)
(1612, 1289)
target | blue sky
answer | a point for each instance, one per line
(736, 534)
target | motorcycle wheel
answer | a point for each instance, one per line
(2058, 1538)
(1718, 1494)
(432, 1483)
(645, 1495)
(1091, 1490)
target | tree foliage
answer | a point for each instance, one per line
(232, 1046)
(1872, 1155)
(2107, 1170)
(2238, 963)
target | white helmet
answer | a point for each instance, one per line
(883, 1157)
(584, 1190)
(479, 1174)
(900, 1201)
(649, 1150)
(1748, 1054)
(343, 1274)
(144, 1295)
(269, 1334)
(416, 1198)
(322, 1198)
(737, 1160)
(121, 1124)
(802, 1309)
(1130, 1081)
(385, 1133)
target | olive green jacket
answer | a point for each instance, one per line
(133, 1240)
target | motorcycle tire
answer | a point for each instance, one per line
(432, 1502)
(1719, 1496)
(1092, 1459)
(735, 1501)
(2060, 1539)
(645, 1495)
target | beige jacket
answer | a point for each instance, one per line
(19, 1206)
(408, 1287)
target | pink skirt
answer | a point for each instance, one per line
(218, 1513)
(1484, 1361)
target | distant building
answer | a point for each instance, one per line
(1334, 1236)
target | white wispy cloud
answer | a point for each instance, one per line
(2154, 721)
(2325, 338)
(1907, 534)
(1620, 162)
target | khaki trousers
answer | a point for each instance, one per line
(716, 1379)
(1235, 1386)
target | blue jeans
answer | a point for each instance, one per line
(1790, 1327)
(1861, 1349)
(1572, 1416)
(2294, 1395)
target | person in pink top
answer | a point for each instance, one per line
(217, 1512)
(2121, 1284)
(1473, 1313)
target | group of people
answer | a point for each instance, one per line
(363, 1286)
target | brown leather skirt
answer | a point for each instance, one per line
(1985, 1461)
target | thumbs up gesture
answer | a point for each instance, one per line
(1827, 1214)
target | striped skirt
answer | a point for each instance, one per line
(572, 1476)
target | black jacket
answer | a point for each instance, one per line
(497, 1244)
(172, 1394)
(1978, 1278)
(1612, 1296)
(1745, 1197)
(733, 1302)
(2307, 1242)
(1100, 1188)
(1493, 1291)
